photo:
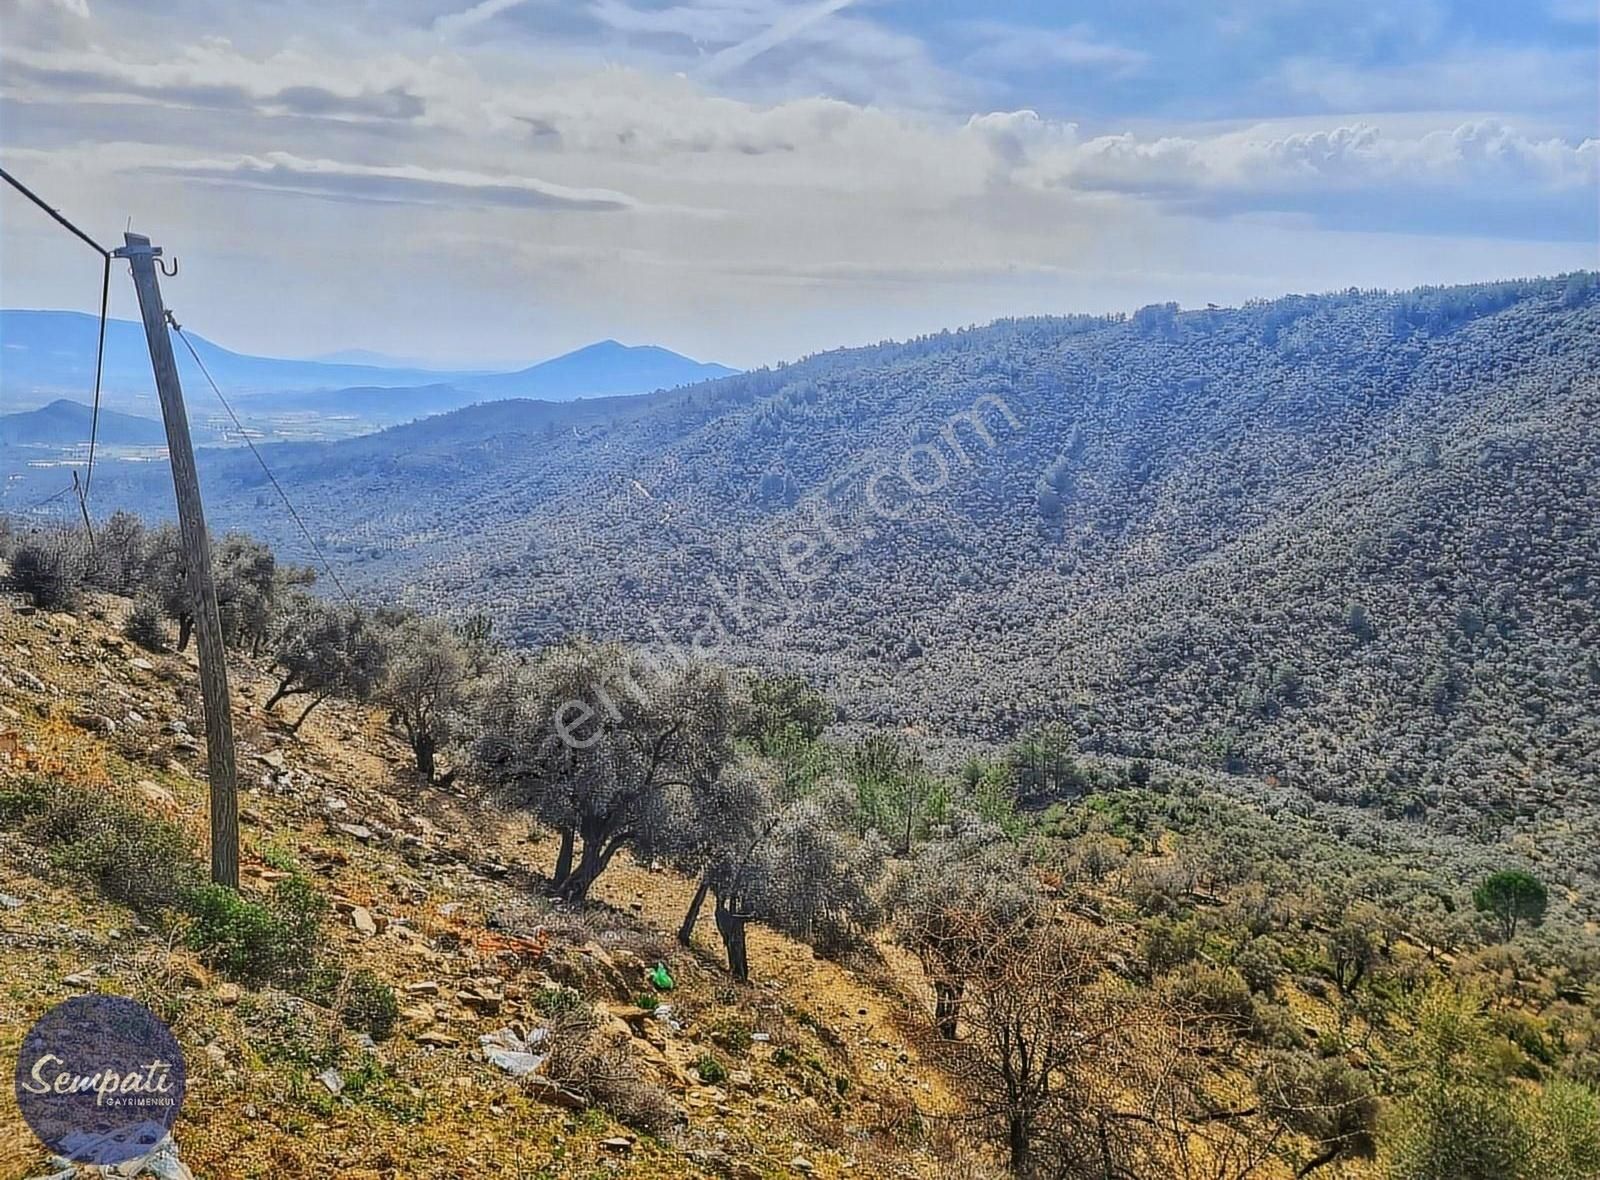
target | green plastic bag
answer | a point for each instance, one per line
(660, 978)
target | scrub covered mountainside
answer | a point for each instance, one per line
(1345, 542)
(1158, 976)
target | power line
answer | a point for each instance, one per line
(50, 499)
(261, 459)
(100, 349)
(99, 372)
(40, 201)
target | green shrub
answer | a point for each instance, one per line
(283, 1027)
(237, 936)
(299, 910)
(1260, 962)
(648, 1001)
(1167, 944)
(734, 1035)
(1215, 993)
(711, 1071)
(1564, 1132)
(557, 1001)
(1275, 1025)
(144, 625)
(369, 1005)
(375, 1084)
(1526, 1031)
(255, 942)
(143, 860)
(50, 570)
(20, 799)
(275, 856)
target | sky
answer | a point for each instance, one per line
(749, 181)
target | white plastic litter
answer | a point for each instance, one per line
(514, 1053)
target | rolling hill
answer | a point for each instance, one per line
(65, 423)
(1346, 542)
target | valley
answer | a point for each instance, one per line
(1329, 542)
(1221, 681)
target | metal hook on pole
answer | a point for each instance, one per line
(162, 263)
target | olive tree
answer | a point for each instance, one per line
(166, 578)
(49, 567)
(820, 876)
(250, 583)
(423, 685)
(806, 874)
(762, 855)
(320, 649)
(587, 739)
(1353, 947)
(708, 828)
(119, 553)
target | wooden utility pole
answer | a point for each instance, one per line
(141, 258)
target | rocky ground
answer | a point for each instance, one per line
(817, 1069)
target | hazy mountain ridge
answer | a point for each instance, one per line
(43, 353)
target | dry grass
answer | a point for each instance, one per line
(450, 918)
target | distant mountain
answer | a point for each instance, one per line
(65, 423)
(599, 370)
(47, 354)
(607, 369)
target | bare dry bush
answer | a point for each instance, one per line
(606, 1073)
(1073, 1072)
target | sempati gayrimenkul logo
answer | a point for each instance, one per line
(100, 1079)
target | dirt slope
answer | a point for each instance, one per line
(438, 895)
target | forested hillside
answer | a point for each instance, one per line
(1347, 542)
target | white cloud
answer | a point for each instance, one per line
(212, 74)
(74, 8)
(1010, 48)
(844, 188)
(1015, 136)
(396, 184)
(452, 23)
(1263, 162)
(1470, 78)
(715, 24)
(789, 25)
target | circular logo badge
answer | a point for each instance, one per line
(100, 1079)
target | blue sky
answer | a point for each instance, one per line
(749, 180)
